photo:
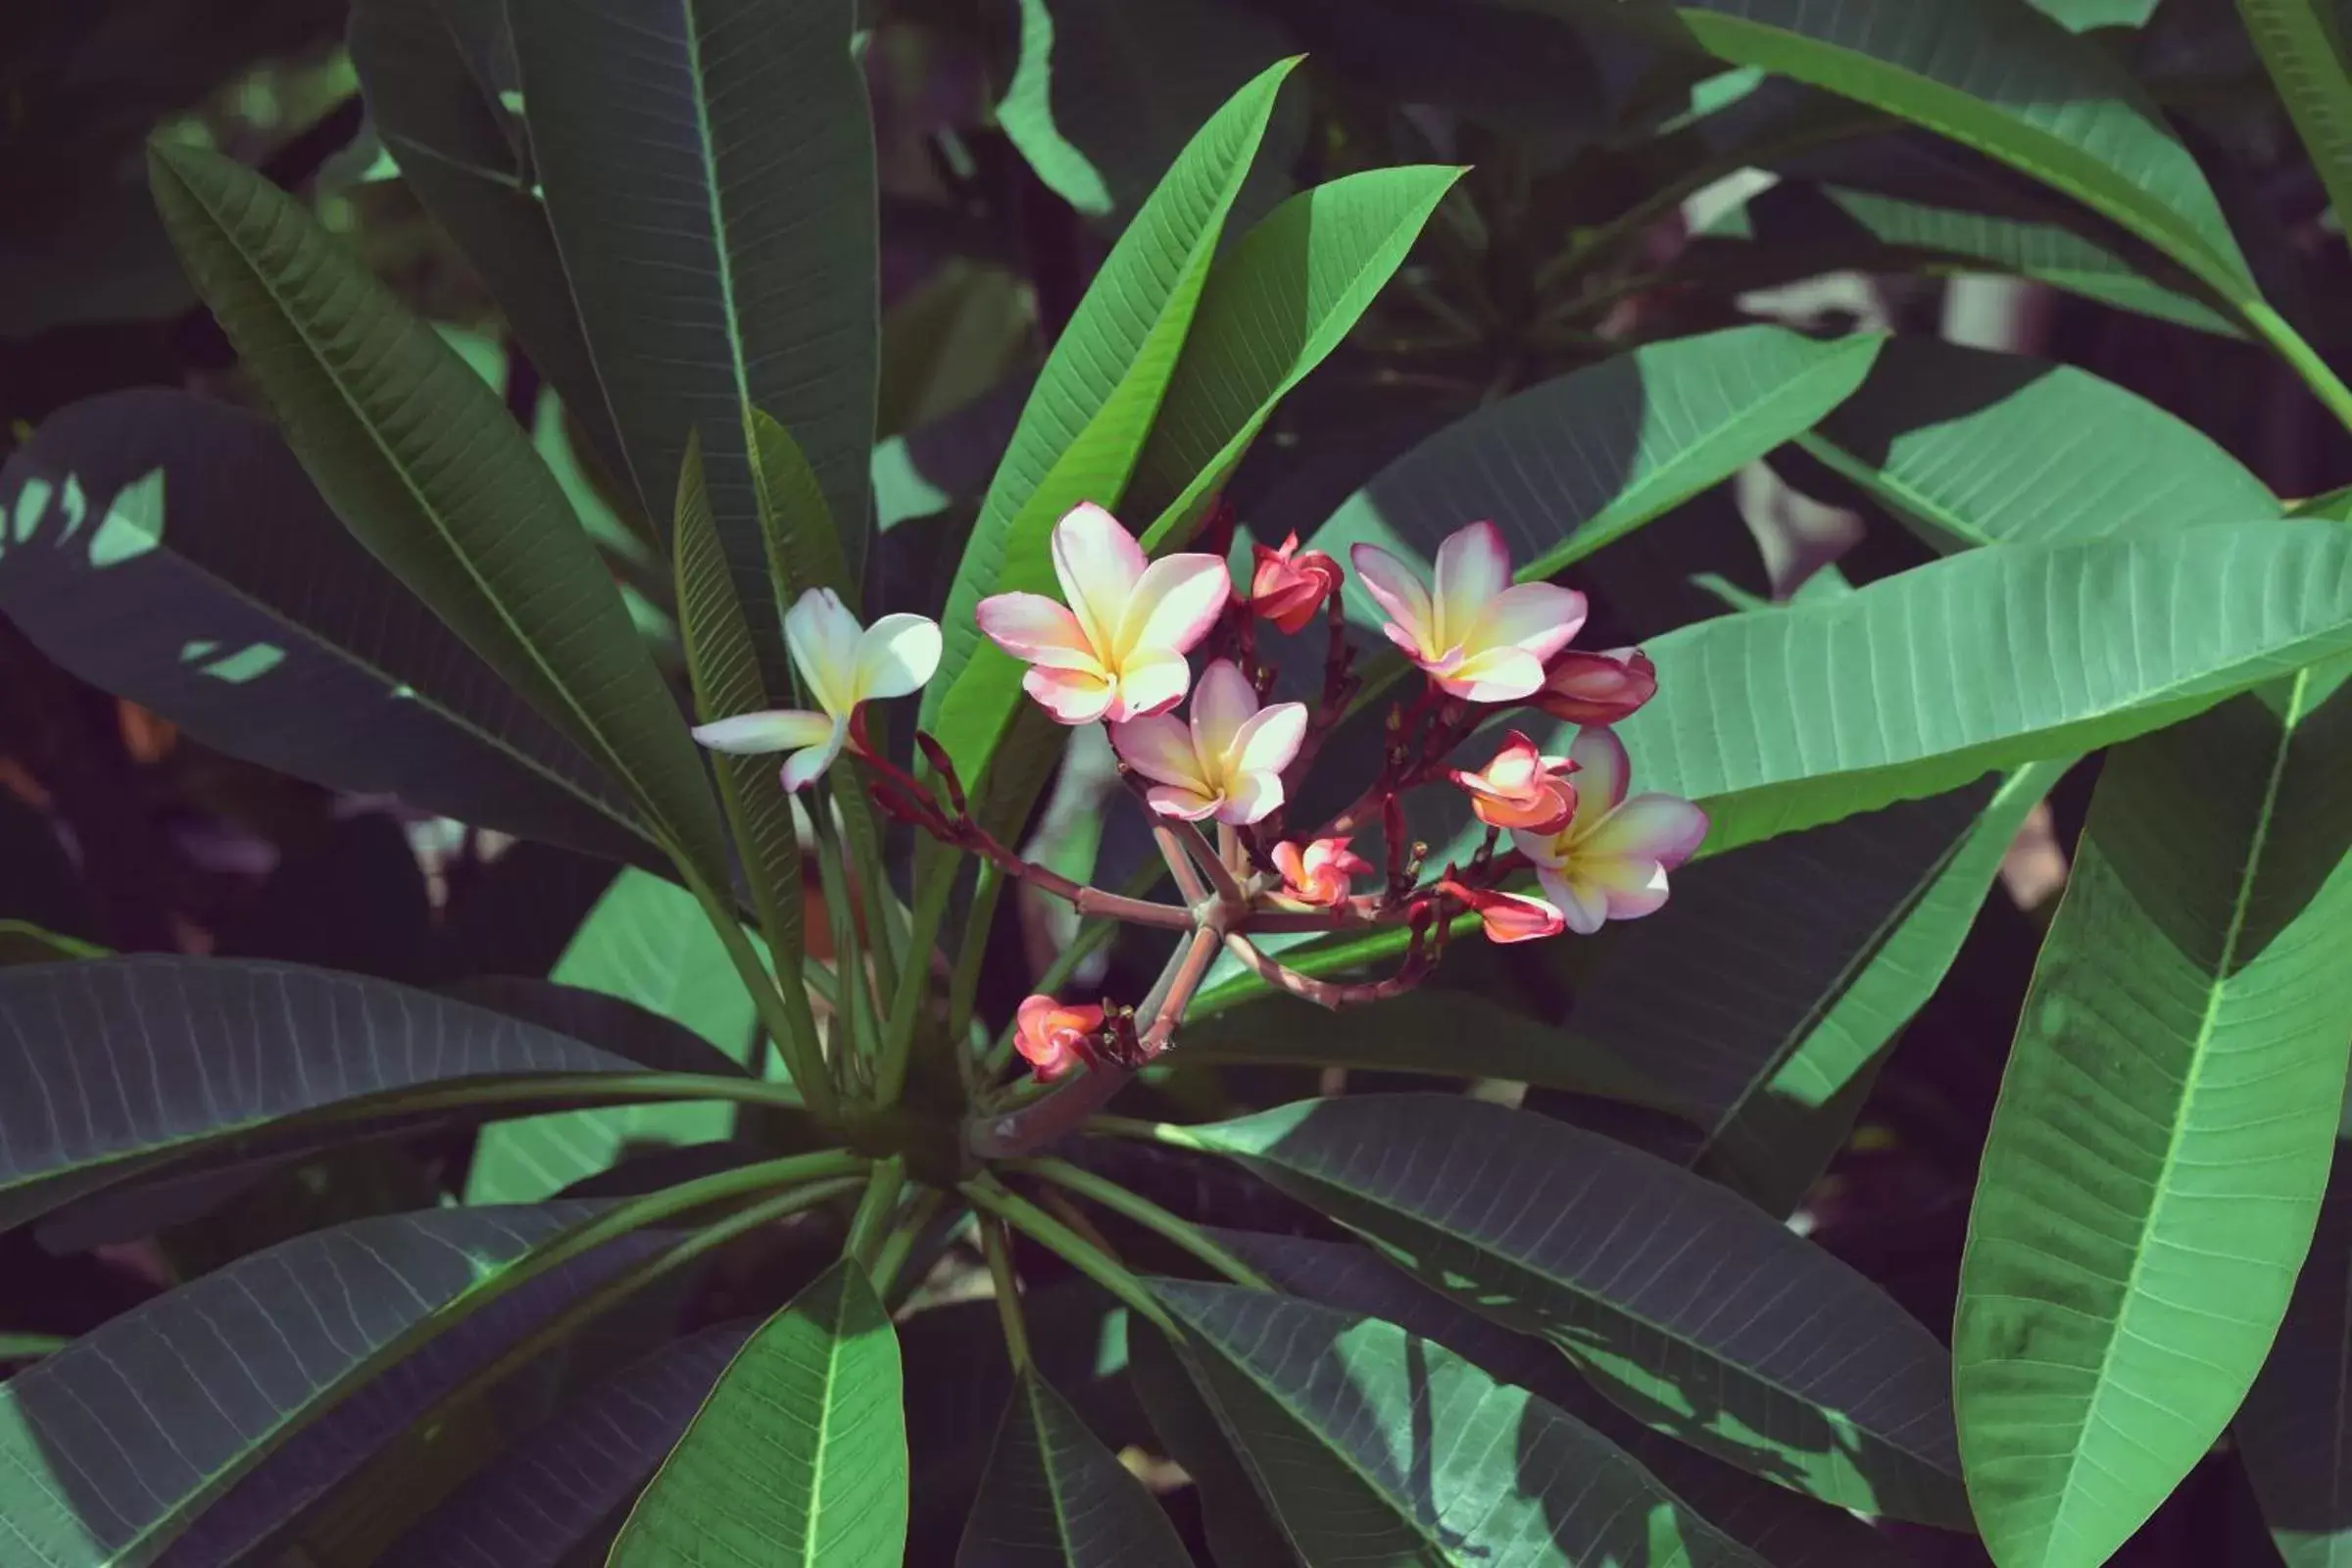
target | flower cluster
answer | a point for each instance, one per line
(1118, 648)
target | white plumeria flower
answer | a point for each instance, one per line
(1228, 763)
(842, 666)
(1475, 634)
(1610, 862)
(1116, 651)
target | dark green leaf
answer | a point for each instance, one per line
(2302, 43)
(1054, 1497)
(2296, 1424)
(1698, 1313)
(2166, 1122)
(172, 552)
(1242, 1533)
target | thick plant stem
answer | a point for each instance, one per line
(890, 1261)
(1145, 1212)
(875, 1210)
(993, 1197)
(2305, 359)
(996, 1245)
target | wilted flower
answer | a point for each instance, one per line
(1508, 916)
(1610, 862)
(1288, 588)
(1586, 688)
(843, 666)
(1228, 763)
(1116, 651)
(1521, 788)
(1475, 634)
(1318, 874)
(1052, 1038)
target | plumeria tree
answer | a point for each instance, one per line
(1111, 1042)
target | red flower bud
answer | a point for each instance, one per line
(1288, 588)
(1588, 688)
(1052, 1038)
(1508, 916)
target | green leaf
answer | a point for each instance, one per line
(799, 1455)
(1703, 1316)
(2010, 83)
(723, 667)
(1241, 1532)
(2157, 1159)
(1920, 682)
(24, 942)
(1575, 463)
(2302, 44)
(1971, 447)
(1054, 1497)
(1087, 420)
(116, 1063)
(1372, 1445)
(2296, 1423)
(719, 233)
(432, 72)
(423, 463)
(171, 551)
(2079, 15)
(647, 943)
(1274, 307)
(568, 1475)
(112, 1448)
(1790, 1531)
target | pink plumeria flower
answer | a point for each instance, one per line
(1318, 874)
(1052, 1038)
(1508, 916)
(1473, 633)
(1604, 688)
(842, 666)
(1610, 862)
(1521, 788)
(1116, 651)
(1228, 763)
(1286, 588)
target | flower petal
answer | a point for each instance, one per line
(1041, 631)
(1473, 567)
(1604, 771)
(1538, 616)
(1270, 739)
(800, 769)
(823, 636)
(1029, 1020)
(1649, 828)
(1630, 888)
(1492, 675)
(1400, 592)
(896, 655)
(1174, 604)
(1071, 695)
(1099, 564)
(1173, 800)
(1584, 906)
(1222, 703)
(1250, 798)
(1161, 748)
(780, 730)
(1589, 688)
(1150, 683)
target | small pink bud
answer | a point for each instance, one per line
(1586, 688)
(1288, 588)
(1521, 788)
(1508, 916)
(1318, 874)
(1052, 1038)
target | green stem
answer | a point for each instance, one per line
(898, 1244)
(1141, 1131)
(875, 1210)
(998, 1248)
(1150, 1215)
(858, 832)
(2323, 382)
(964, 986)
(990, 1195)
(30, 1347)
(793, 1029)
(856, 1012)
(931, 895)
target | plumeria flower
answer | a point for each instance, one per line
(1317, 875)
(1052, 1038)
(1475, 634)
(1610, 862)
(1116, 651)
(1228, 763)
(1508, 916)
(1288, 588)
(842, 666)
(1586, 688)
(1521, 788)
